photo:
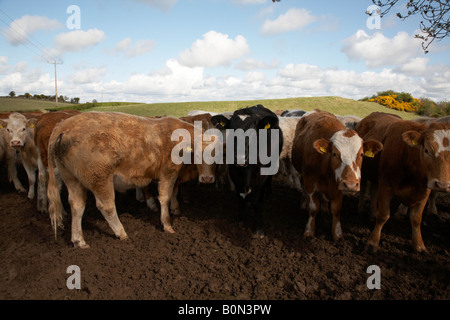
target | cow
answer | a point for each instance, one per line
(349, 121)
(43, 130)
(19, 137)
(415, 160)
(287, 126)
(187, 173)
(329, 157)
(246, 169)
(104, 151)
(293, 113)
(431, 207)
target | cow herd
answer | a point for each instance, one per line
(323, 156)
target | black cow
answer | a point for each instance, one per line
(249, 171)
(293, 113)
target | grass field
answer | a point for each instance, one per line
(336, 105)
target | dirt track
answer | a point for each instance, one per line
(210, 257)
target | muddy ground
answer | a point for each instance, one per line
(210, 257)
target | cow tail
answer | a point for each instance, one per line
(53, 192)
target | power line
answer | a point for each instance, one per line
(14, 34)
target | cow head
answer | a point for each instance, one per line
(18, 128)
(346, 150)
(434, 148)
(243, 131)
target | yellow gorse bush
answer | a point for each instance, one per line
(391, 101)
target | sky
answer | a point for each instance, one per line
(214, 50)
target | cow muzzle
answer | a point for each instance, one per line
(349, 187)
(206, 178)
(16, 143)
(437, 185)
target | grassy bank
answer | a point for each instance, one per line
(336, 105)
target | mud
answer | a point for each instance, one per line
(211, 257)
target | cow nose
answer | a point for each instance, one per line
(442, 186)
(351, 186)
(206, 179)
(15, 143)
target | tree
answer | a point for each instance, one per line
(12, 94)
(435, 15)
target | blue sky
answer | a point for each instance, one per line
(207, 50)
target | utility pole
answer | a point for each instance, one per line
(56, 80)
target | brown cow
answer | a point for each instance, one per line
(44, 128)
(415, 159)
(329, 158)
(187, 173)
(102, 151)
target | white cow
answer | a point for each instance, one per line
(18, 133)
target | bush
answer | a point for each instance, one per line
(392, 101)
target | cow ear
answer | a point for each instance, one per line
(268, 122)
(412, 138)
(322, 146)
(3, 124)
(31, 122)
(372, 147)
(220, 122)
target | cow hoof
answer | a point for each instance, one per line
(259, 234)
(82, 245)
(308, 235)
(371, 248)
(169, 229)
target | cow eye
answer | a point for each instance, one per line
(23, 129)
(8, 130)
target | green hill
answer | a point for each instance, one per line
(336, 105)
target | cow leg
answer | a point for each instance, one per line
(415, 217)
(384, 200)
(42, 187)
(165, 189)
(149, 199)
(313, 206)
(174, 205)
(12, 170)
(31, 173)
(336, 229)
(105, 202)
(77, 201)
(431, 208)
(241, 210)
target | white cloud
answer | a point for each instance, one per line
(76, 40)
(215, 49)
(293, 19)
(378, 50)
(131, 50)
(20, 29)
(163, 5)
(87, 75)
(252, 64)
(414, 67)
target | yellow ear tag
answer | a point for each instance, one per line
(222, 124)
(267, 126)
(1, 127)
(323, 150)
(414, 142)
(369, 153)
(32, 125)
(189, 149)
